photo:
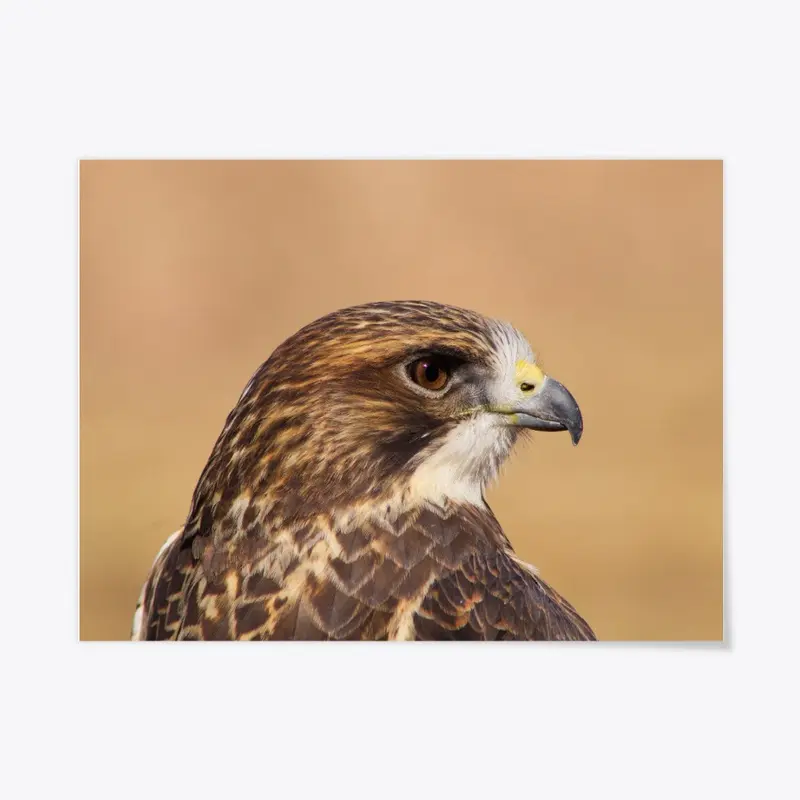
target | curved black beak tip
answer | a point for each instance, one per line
(566, 409)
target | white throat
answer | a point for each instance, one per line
(468, 459)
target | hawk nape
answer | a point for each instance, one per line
(344, 497)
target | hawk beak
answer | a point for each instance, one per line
(550, 407)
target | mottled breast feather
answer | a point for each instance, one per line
(434, 573)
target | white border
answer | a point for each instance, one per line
(368, 80)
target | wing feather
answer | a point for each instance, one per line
(494, 594)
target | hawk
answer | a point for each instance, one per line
(344, 498)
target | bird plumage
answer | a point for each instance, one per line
(343, 498)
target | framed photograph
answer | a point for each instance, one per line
(338, 400)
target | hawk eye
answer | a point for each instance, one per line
(430, 373)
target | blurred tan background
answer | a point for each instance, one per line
(193, 272)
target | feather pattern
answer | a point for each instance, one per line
(446, 573)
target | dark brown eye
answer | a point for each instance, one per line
(430, 373)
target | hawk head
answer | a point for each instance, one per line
(412, 397)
